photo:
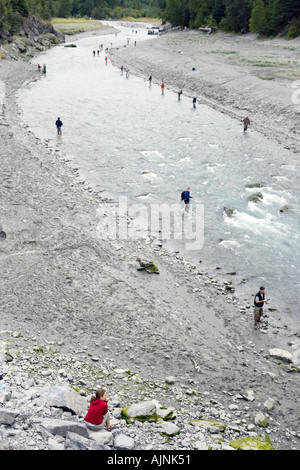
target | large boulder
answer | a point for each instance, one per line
(64, 397)
(144, 411)
(61, 427)
(8, 417)
(76, 442)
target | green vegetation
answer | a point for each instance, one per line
(253, 443)
(75, 25)
(265, 17)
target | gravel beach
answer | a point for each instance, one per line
(64, 283)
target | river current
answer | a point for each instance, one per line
(131, 141)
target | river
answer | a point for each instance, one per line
(130, 141)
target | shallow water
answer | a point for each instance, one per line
(129, 140)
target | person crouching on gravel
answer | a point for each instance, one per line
(98, 416)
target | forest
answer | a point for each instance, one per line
(265, 17)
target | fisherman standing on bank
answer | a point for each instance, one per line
(259, 301)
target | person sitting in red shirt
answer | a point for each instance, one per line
(98, 415)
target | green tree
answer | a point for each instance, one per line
(238, 13)
(3, 13)
(20, 6)
(176, 12)
(219, 10)
(282, 12)
(258, 20)
(199, 12)
(64, 8)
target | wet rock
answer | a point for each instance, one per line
(229, 211)
(255, 185)
(285, 209)
(256, 197)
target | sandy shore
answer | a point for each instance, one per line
(237, 75)
(61, 281)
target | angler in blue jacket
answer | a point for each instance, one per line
(186, 196)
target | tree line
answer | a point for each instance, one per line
(11, 10)
(265, 17)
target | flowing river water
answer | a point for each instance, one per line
(135, 144)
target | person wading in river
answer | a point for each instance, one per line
(58, 126)
(246, 123)
(185, 197)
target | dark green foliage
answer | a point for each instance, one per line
(268, 17)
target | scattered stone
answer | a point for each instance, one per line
(170, 380)
(123, 442)
(281, 354)
(248, 395)
(269, 404)
(261, 420)
(170, 429)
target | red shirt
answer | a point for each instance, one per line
(97, 409)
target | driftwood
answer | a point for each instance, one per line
(207, 30)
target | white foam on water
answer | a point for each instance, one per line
(230, 244)
(152, 153)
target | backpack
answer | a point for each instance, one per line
(183, 194)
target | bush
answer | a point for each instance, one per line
(293, 31)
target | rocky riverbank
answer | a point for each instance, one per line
(32, 36)
(44, 397)
(76, 310)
